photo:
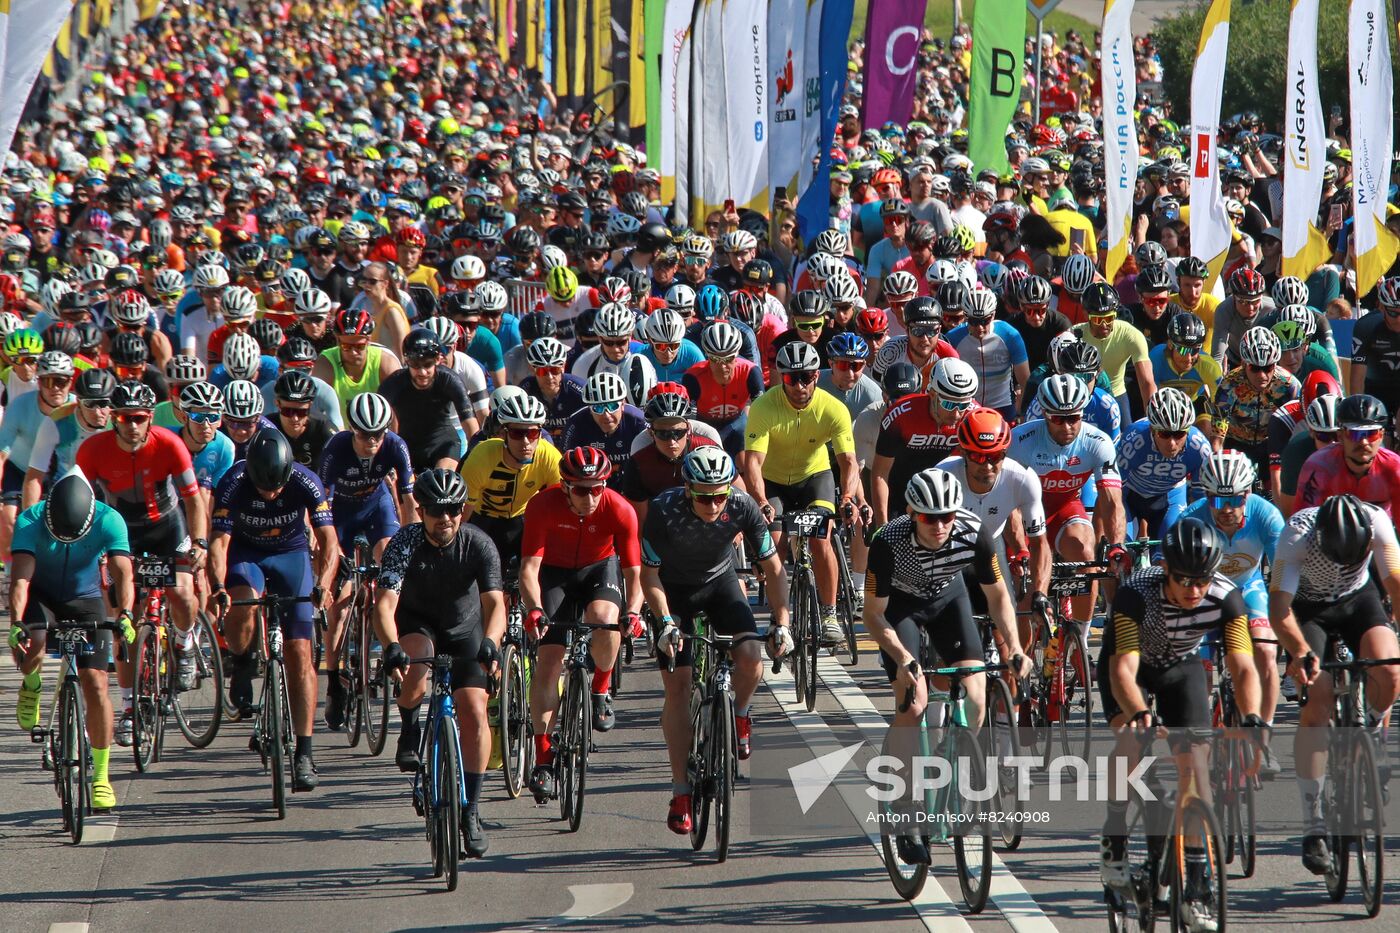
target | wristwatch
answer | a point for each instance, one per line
(201, 543)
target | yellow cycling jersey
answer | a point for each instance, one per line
(496, 490)
(798, 436)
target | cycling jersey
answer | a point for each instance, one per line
(722, 404)
(687, 356)
(907, 573)
(1248, 409)
(1377, 347)
(690, 551)
(142, 485)
(565, 404)
(1102, 412)
(994, 357)
(1230, 326)
(1124, 344)
(1286, 421)
(347, 388)
(212, 461)
(275, 527)
(1146, 623)
(583, 431)
(1065, 470)
(1326, 474)
(498, 491)
(1149, 474)
(219, 376)
(324, 404)
(429, 419)
(1201, 378)
(896, 350)
(441, 585)
(70, 571)
(914, 441)
(635, 370)
(748, 340)
(20, 429)
(798, 438)
(1246, 549)
(1015, 488)
(1301, 570)
(565, 314)
(649, 474)
(562, 538)
(347, 477)
(240, 448)
(857, 398)
(56, 445)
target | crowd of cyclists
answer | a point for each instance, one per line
(304, 299)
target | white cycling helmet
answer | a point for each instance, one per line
(953, 380)
(369, 412)
(1228, 473)
(546, 351)
(1063, 394)
(1321, 415)
(1077, 274)
(242, 400)
(210, 276)
(242, 356)
(603, 388)
(1289, 290)
(54, 290)
(295, 281)
(552, 257)
(663, 326)
(738, 241)
(901, 284)
(1170, 409)
(182, 370)
(1260, 347)
(492, 296)
(518, 408)
(720, 340)
(313, 302)
(240, 304)
(167, 282)
(680, 298)
(468, 268)
(797, 357)
(841, 289)
(934, 492)
(614, 320)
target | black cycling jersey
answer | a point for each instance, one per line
(308, 446)
(690, 551)
(905, 571)
(442, 585)
(428, 418)
(1377, 347)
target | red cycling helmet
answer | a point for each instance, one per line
(412, 236)
(1319, 382)
(1247, 282)
(984, 431)
(354, 322)
(873, 322)
(585, 465)
(663, 388)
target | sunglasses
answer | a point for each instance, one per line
(210, 292)
(848, 365)
(1103, 317)
(668, 346)
(1190, 582)
(243, 424)
(712, 498)
(799, 379)
(985, 459)
(133, 417)
(1170, 435)
(443, 511)
(1359, 435)
(1227, 502)
(369, 281)
(524, 434)
(670, 434)
(203, 417)
(96, 404)
(1156, 301)
(591, 490)
(353, 344)
(941, 519)
(25, 360)
(926, 333)
(313, 319)
(549, 370)
(290, 412)
(491, 315)
(594, 256)
(616, 344)
(1259, 369)
(324, 251)
(1064, 419)
(605, 408)
(1327, 437)
(810, 325)
(955, 404)
(1185, 351)
(723, 360)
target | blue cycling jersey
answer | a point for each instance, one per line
(20, 428)
(240, 448)
(346, 476)
(994, 357)
(267, 373)
(1246, 549)
(583, 431)
(564, 405)
(1102, 412)
(687, 356)
(211, 463)
(1149, 474)
(277, 526)
(68, 572)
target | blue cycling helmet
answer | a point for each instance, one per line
(847, 346)
(711, 304)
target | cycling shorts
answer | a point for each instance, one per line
(817, 491)
(731, 436)
(1183, 696)
(11, 484)
(166, 538)
(1156, 511)
(1350, 617)
(724, 604)
(948, 620)
(374, 516)
(567, 591)
(507, 533)
(41, 611)
(462, 643)
(281, 574)
(426, 456)
(1069, 513)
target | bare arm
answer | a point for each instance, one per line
(123, 580)
(1146, 384)
(530, 582)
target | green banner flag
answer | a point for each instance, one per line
(998, 58)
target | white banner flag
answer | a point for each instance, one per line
(744, 57)
(1371, 126)
(32, 27)
(1305, 146)
(675, 94)
(1120, 154)
(1210, 225)
(811, 104)
(787, 52)
(709, 158)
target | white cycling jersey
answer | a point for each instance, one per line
(1016, 487)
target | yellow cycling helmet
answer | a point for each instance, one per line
(562, 284)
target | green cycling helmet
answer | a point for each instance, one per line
(26, 342)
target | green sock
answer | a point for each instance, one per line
(34, 679)
(99, 764)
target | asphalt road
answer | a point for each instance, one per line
(195, 846)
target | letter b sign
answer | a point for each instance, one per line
(1003, 83)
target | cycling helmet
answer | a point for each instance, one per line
(583, 465)
(185, 369)
(519, 409)
(1321, 415)
(1361, 413)
(54, 363)
(993, 276)
(1151, 253)
(1245, 283)
(621, 228)
(822, 266)
(242, 400)
(708, 466)
(1101, 299)
(847, 346)
(841, 289)
(129, 350)
(210, 276)
(562, 284)
(1193, 548)
(552, 257)
(439, 488)
(1228, 473)
(24, 342)
(901, 379)
(1034, 290)
(468, 268)
(422, 344)
(947, 246)
(1186, 330)
(614, 320)
(240, 304)
(69, 509)
(1077, 273)
(294, 386)
(94, 383)
(747, 308)
(242, 356)
(940, 272)
(984, 431)
(797, 357)
(492, 296)
(54, 289)
(954, 296)
(1295, 325)
(202, 396)
(63, 337)
(711, 303)
(1192, 267)
(1170, 409)
(668, 406)
(268, 335)
(313, 302)
(738, 241)
(653, 236)
(923, 311)
(953, 379)
(981, 304)
(268, 461)
(9, 323)
(603, 388)
(1153, 280)
(680, 298)
(297, 351)
(1260, 347)
(720, 340)
(130, 308)
(1063, 394)
(533, 326)
(295, 281)
(354, 322)
(831, 241)
(1289, 290)
(901, 284)
(369, 413)
(615, 290)
(134, 396)
(546, 352)
(872, 323)
(934, 492)
(1342, 530)
(812, 304)
(1389, 292)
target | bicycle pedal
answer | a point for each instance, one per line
(38, 736)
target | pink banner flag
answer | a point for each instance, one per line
(892, 33)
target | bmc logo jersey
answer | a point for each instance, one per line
(1064, 470)
(914, 440)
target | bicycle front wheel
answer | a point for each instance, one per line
(145, 700)
(447, 794)
(846, 603)
(199, 711)
(972, 839)
(514, 714)
(1197, 853)
(72, 763)
(723, 755)
(698, 768)
(377, 693)
(580, 728)
(1003, 746)
(812, 638)
(1368, 821)
(273, 729)
(1077, 707)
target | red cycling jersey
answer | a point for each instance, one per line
(142, 485)
(1326, 474)
(554, 532)
(720, 404)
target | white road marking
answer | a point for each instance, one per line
(100, 828)
(68, 928)
(590, 900)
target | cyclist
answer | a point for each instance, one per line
(1321, 422)
(503, 473)
(1119, 343)
(614, 326)
(1161, 615)
(354, 365)
(430, 406)
(656, 466)
(995, 350)
(1251, 392)
(916, 581)
(261, 511)
(670, 353)
(1244, 309)
(561, 392)
(294, 392)
(440, 592)
(689, 569)
(609, 423)
(1375, 348)
(1071, 356)
(201, 409)
(1157, 457)
(579, 552)
(141, 470)
(920, 344)
(180, 371)
(1289, 420)
(354, 472)
(243, 415)
(1357, 464)
(314, 312)
(1249, 527)
(56, 444)
(325, 405)
(55, 575)
(468, 370)
(1179, 363)
(786, 468)
(533, 326)
(19, 429)
(845, 376)
(723, 384)
(1037, 322)
(1322, 586)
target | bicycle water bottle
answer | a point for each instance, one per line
(1052, 652)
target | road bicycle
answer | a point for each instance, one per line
(513, 698)
(439, 784)
(799, 528)
(368, 691)
(1002, 739)
(1231, 760)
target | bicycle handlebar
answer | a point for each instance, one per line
(957, 673)
(271, 599)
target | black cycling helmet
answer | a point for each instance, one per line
(69, 510)
(297, 350)
(1154, 279)
(809, 303)
(901, 379)
(89, 336)
(652, 237)
(1192, 548)
(1186, 330)
(439, 487)
(269, 460)
(1101, 298)
(1343, 530)
(294, 386)
(268, 335)
(63, 337)
(1193, 267)
(953, 295)
(421, 344)
(921, 311)
(129, 349)
(1362, 412)
(537, 324)
(133, 396)
(94, 383)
